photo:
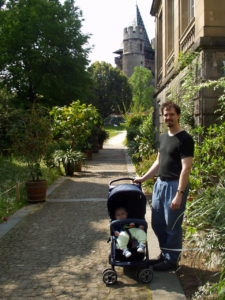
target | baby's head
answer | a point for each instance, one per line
(121, 213)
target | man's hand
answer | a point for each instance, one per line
(141, 227)
(117, 233)
(138, 180)
(176, 202)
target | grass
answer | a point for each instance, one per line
(114, 130)
(13, 171)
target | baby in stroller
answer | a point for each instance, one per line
(126, 231)
(127, 207)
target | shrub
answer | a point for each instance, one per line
(31, 136)
(209, 163)
(74, 123)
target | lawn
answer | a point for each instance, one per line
(12, 172)
(114, 130)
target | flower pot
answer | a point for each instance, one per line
(78, 167)
(88, 154)
(95, 148)
(69, 169)
(36, 191)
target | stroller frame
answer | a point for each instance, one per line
(138, 260)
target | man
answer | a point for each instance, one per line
(173, 165)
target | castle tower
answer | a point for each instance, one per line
(133, 49)
(137, 50)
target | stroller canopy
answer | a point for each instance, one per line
(129, 196)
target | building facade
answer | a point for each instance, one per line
(137, 50)
(189, 25)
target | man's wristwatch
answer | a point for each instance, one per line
(179, 191)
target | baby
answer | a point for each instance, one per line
(123, 237)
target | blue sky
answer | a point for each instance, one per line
(106, 19)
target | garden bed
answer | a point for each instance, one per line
(193, 273)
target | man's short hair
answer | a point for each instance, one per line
(169, 105)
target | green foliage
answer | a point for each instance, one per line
(185, 59)
(143, 166)
(69, 159)
(112, 131)
(102, 135)
(184, 93)
(8, 115)
(146, 139)
(209, 162)
(111, 92)
(218, 84)
(140, 136)
(11, 171)
(31, 136)
(142, 89)
(206, 215)
(42, 51)
(74, 123)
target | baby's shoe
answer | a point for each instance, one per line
(141, 248)
(126, 253)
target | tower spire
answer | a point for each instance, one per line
(141, 23)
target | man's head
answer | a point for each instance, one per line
(121, 213)
(171, 113)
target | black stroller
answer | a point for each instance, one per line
(131, 197)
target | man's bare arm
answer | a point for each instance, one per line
(151, 172)
(183, 182)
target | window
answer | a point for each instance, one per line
(191, 5)
(186, 13)
(169, 26)
(159, 43)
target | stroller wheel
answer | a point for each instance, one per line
(145, 275)
(107, 269)
(109, 277)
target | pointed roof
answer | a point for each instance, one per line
(141, 23)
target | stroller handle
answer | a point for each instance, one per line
(124, 178)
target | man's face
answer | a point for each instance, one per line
(171, 118)
(120, 214)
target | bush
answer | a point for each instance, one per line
(140, 136)
(132, 126)
(209, 163)
(74, 124)
(206, 226)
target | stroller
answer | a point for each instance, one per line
(131, 197)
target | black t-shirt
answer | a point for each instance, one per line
(172, 149)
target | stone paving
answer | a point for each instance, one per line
(60, 249)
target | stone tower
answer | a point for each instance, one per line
(137, 50)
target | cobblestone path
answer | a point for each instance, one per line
(60, 249)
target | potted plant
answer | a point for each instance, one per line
(88, 150)
(31, 137)
(102, 136)
(71, 160)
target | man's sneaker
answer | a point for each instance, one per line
(141, 248)
(157, 260)
(126, 253)
(165, 266)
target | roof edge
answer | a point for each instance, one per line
(155, 7)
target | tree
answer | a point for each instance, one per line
(42, 51)
(111, 92)
(142, 89)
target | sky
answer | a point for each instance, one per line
(106, 19)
